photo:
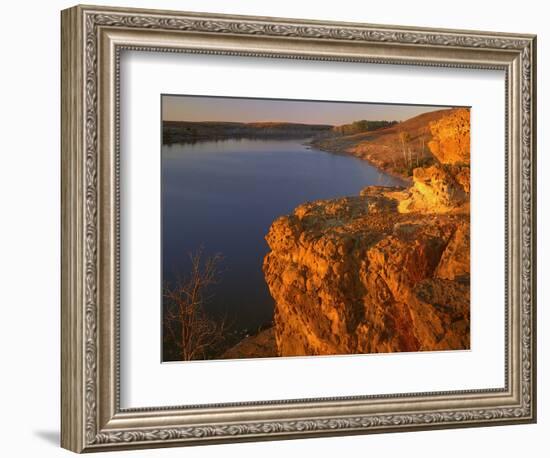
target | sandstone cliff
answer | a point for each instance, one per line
(451, 137)
(384, 271)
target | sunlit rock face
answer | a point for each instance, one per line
(348, 281)
(444, 187)
(437, 189)
(385, 271)
(451, 137)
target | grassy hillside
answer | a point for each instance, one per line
(397, 149)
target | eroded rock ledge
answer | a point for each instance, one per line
(385, 271)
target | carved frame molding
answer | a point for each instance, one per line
(92, 40)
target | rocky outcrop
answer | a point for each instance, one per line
(450, 142)
(436, 189)
(444, 187)
(384, 271)
(349, 280)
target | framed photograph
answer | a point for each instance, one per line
(277, 228)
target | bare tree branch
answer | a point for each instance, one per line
(187, 327)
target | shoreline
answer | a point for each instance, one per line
(407, 180)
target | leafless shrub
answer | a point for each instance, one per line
(188, 330)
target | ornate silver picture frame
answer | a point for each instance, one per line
(93, 39)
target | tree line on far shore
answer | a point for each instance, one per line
(362, 125)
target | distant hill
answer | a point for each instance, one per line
(192, 132)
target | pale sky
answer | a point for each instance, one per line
(205, 108)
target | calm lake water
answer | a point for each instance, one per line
(224, 196)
